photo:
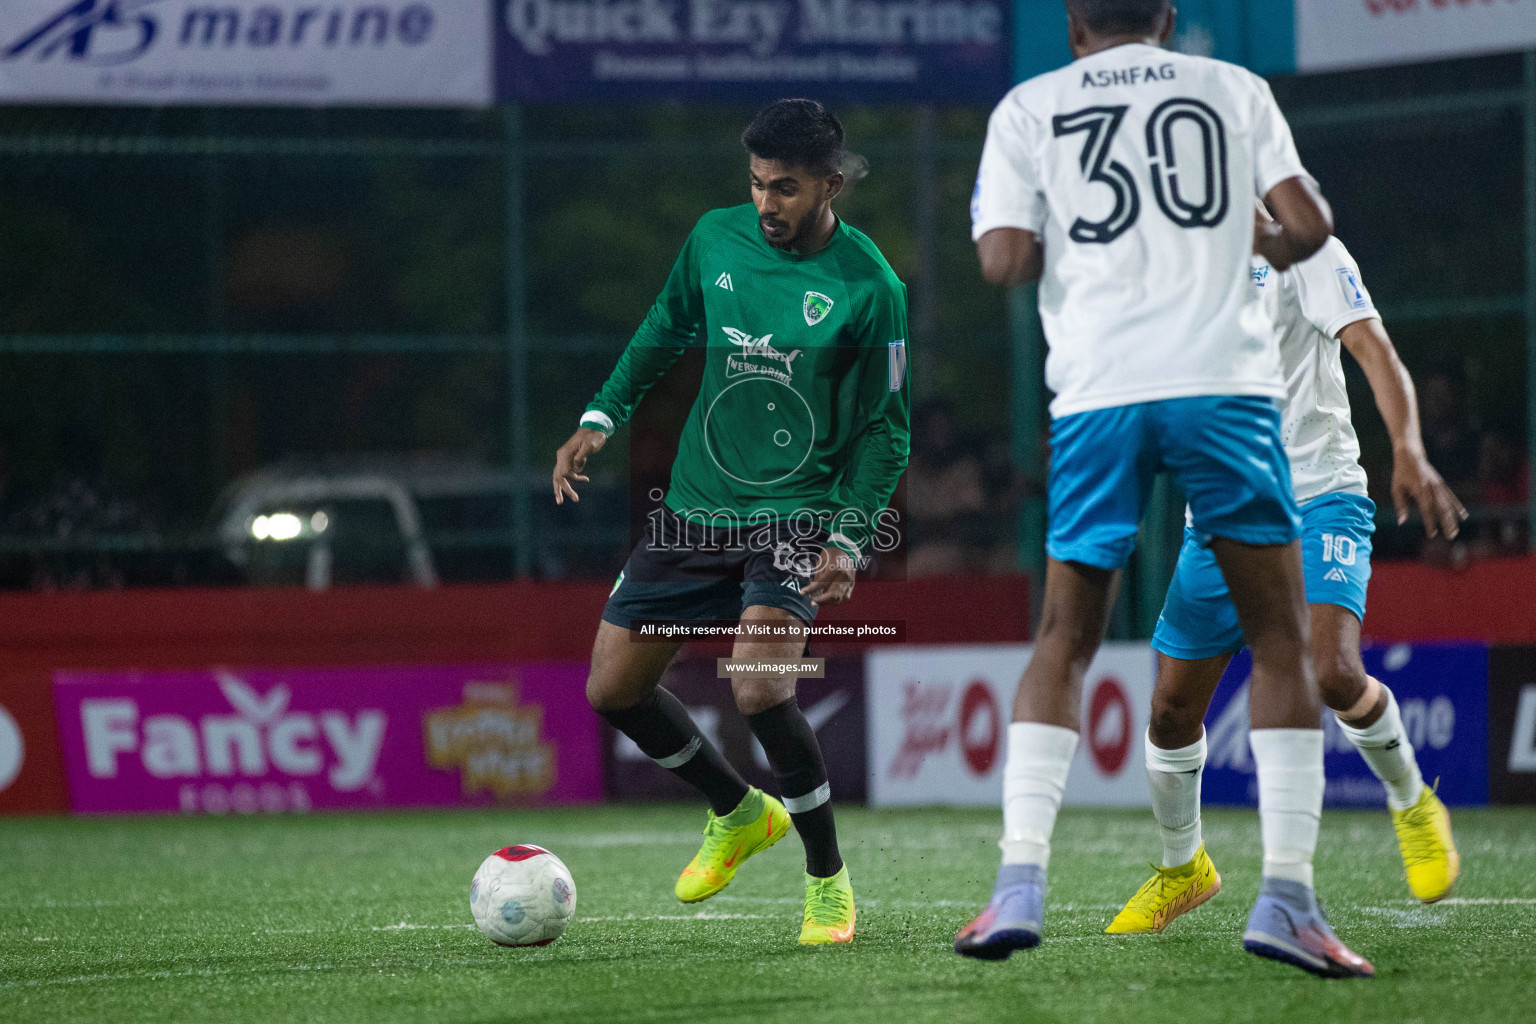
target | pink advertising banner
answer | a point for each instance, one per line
(247, 740)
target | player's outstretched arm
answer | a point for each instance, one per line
(1414, 480)
(1010, 256)
(1303, 220)
(571, 461)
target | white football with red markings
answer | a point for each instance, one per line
(522, 896)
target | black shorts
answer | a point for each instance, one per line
(682, 571)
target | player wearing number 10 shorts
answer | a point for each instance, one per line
(1316, 306)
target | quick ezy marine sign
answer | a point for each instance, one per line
(755, 50)
(311, 52)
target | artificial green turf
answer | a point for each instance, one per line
(365, 918)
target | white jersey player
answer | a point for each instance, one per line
(1318, 306)
(1123, 183)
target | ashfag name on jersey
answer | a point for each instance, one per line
(1105, 77)
(1136, 167)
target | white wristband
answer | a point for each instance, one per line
(597, 420)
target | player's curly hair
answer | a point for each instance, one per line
(802, 133)
(1107, 17)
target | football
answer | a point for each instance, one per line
(522, 896)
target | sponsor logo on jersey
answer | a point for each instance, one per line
(896, 374)
(1335, 575)
(724, 281)
(816, 308)
(776, 364)
(1349, 283)
(1260, 275)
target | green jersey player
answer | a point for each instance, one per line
(783, 473)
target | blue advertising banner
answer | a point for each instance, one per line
(1442, 690)
(898, 51)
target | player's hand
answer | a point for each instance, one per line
(1415, 482)
(571, 461)
(833, 582)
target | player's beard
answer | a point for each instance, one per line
(795, 233)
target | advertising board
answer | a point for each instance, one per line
(1336, 34)
(31, 774)
(401, 52)
(1442, 693)
(938, 725)
(1512, 725)
(299, 739)
(890, 51)
(834, 705)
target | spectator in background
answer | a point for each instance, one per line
(1006, 488)
(78, 507)
(963, 497)
(1450, 436)
(946, 494)
(1503, 487)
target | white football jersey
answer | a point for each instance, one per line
(1309, 305)
(1137, 167)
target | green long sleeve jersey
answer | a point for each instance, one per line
(804, 405)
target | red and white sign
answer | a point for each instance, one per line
(1333, 34)
(31, 773)
(938, 725)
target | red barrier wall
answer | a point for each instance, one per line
(1492, 601)
(168, 629)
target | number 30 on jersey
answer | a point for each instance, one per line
(1100, 125)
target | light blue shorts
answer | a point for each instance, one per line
(1224, 451)
(1198, 620)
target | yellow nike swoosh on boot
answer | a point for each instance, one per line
(1167, 894)
(725, 848)
(1430, 859)
(829, 913)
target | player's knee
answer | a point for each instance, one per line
(604, 695)
(754, 695)
(1174, 720)
(1340, 679)
(1072, 639)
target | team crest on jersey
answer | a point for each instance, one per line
(817, 306)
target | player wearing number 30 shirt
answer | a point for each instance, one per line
(1124, 184)
(1136, 169)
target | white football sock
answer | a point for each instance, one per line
(1290, 764)
(1033, 779)
(1174, 778)
(1386, 749)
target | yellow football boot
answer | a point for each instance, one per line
(754, 826)
(1167, 894)
(1429, 853)
(829, 910)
